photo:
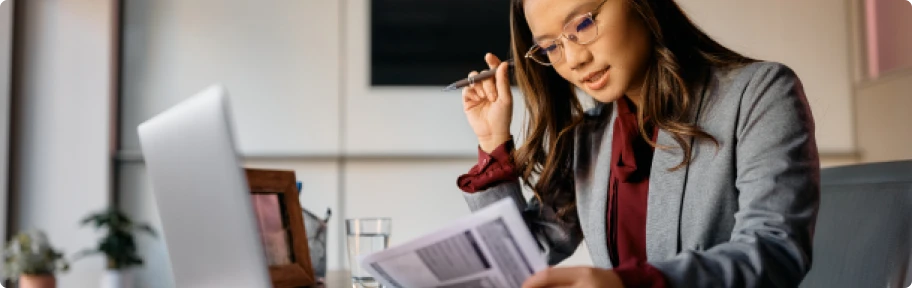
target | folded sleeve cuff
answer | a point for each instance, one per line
(642, 275)
(490, 170)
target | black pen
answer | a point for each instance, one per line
(471, 80)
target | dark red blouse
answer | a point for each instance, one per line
(628, 193)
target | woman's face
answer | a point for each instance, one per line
(608, 67)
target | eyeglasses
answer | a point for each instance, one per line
(581, 30)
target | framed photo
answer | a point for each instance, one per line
(281, 225)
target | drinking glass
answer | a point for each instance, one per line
(366, 236)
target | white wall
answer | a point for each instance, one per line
(883, 107)
(278, 60)
(62, 170)
(882, 97)
(810, 36)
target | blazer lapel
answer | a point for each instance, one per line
(663, 208)
(666, 193)
(592, 188)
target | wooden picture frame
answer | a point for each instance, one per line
(281, 224)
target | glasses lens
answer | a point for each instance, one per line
(582, 30)
(546, 53)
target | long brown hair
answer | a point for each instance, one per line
(682, 54)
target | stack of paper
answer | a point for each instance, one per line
(490, 248)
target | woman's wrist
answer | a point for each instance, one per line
(490, 143)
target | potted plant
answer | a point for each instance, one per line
(30, 259)
(118, 246)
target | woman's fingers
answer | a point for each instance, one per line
(503, 83)
(552, 277)
(493, 65)
(492, 61)
(476, 89)
(489, 89)
(467, 102)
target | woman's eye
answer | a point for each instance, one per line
(583, 25)
(550, 48)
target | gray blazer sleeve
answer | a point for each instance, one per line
(557, 241)
(778, 184)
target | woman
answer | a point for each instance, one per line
(698, 167)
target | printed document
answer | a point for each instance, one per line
(490, 248)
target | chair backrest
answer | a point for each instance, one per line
(862, 237)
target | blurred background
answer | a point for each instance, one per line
(347, 94)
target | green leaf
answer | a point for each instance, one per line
(31, 253)
(118, 244)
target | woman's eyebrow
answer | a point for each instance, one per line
(573, 13)
(576, 12)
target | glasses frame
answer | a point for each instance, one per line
(560, 44)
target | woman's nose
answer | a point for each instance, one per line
(576, 55)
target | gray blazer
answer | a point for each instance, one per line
(740, 215)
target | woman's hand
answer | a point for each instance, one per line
(488, 105)
(576, 277)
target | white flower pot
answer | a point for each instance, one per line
(117, 279)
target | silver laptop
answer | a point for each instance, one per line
(207, 218)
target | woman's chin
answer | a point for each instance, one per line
(607, 95)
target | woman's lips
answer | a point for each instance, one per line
(597, 80)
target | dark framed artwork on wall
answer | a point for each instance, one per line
(433, 43)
